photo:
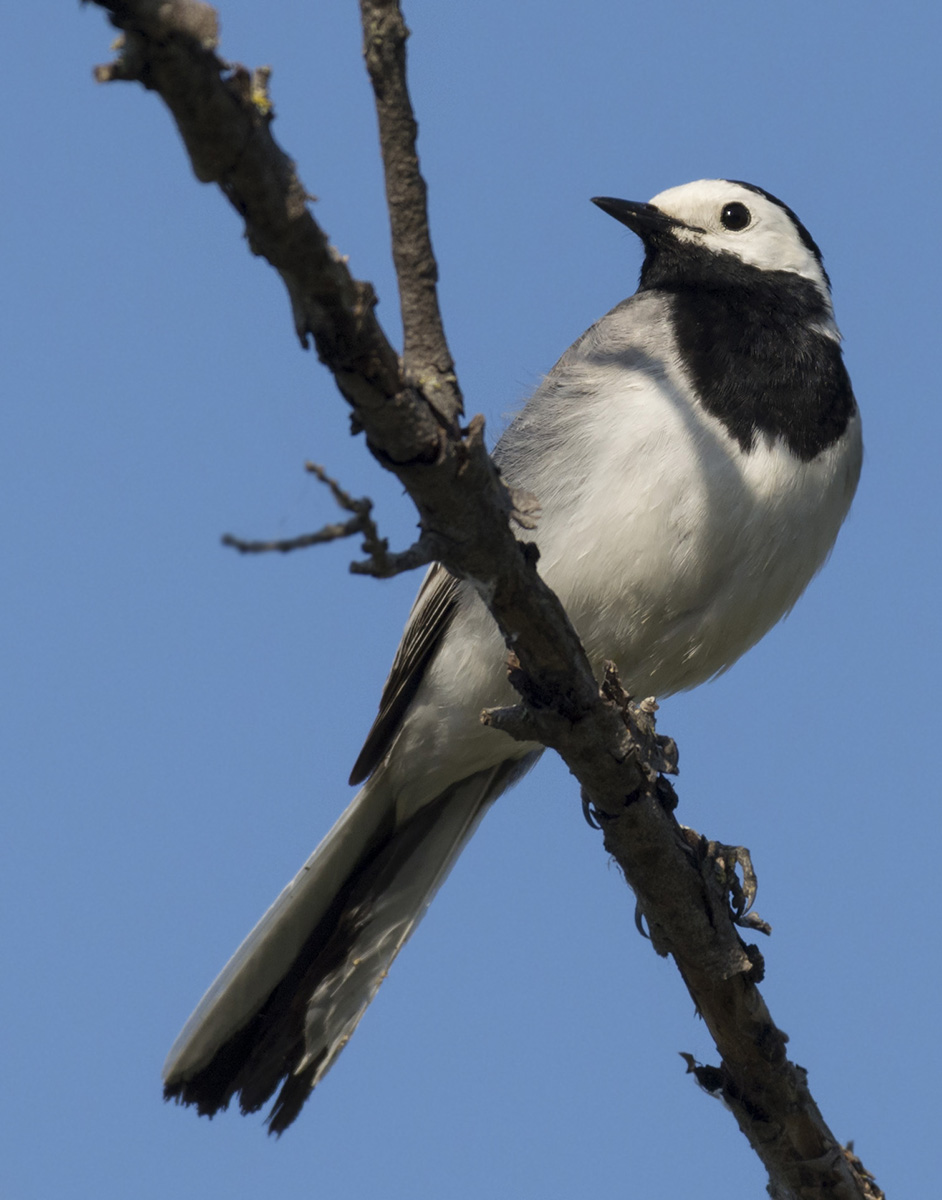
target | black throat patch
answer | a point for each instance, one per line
(751, 340)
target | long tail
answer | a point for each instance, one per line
(288, 1000)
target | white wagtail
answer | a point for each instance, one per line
(694, 454)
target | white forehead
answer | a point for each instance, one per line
(770, 241)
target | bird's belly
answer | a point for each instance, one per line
(691, 569)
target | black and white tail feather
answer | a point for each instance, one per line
(694, 453)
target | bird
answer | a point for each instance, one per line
(694, 454)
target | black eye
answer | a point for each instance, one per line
(735, 216)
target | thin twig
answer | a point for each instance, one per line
(381, 564)
(329, 533)
(361, 522)
(362, 507)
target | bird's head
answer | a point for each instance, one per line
(704, 225)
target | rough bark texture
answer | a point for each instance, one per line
(410, 411)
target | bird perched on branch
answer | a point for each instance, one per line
(694, 454)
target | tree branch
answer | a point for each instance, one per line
(381, 564)
(426, 356)
(409, 413)
(463, 505)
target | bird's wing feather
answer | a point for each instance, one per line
(431, 615)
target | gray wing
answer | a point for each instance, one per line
(431, 615)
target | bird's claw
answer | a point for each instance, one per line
(741, 892)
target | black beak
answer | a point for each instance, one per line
(646, 220)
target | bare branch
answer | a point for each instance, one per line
(224, 114)
(361, 522)
(380, 564)
(426, 356)
(342, 497)
(463, 505)
(329, 533)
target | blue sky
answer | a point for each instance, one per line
(178, 723)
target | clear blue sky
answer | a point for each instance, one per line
(179, 723)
